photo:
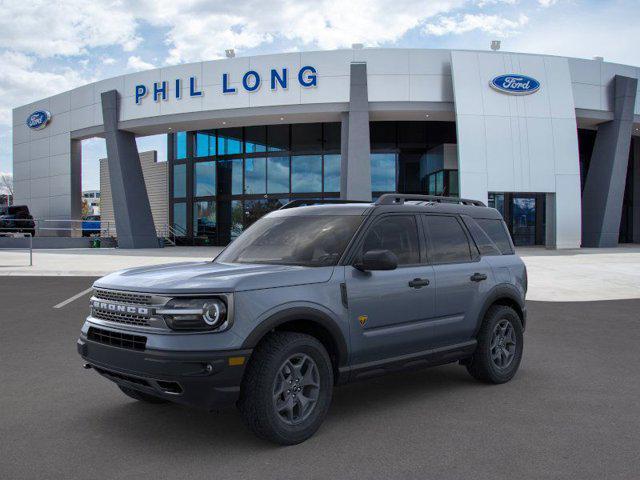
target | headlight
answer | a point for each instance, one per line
(195, 314)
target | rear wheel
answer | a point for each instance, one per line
(500, 346)
(141, 396)
(287, 388)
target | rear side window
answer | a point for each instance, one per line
(485, 244)
(448, 242)
(497, 232)
(397, 233)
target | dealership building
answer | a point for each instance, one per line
(552, 142)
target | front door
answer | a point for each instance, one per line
(390, 311)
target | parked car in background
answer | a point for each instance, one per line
(91, 225)
(17, 219)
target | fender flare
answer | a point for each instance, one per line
(503, 291)
(300, 313)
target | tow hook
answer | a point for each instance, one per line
(86, 366)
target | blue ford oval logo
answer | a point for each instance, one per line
(38, 119)
(515, 84)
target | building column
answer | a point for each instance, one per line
(355, 175)
(604, 187)
(635, 145)
(134, 222)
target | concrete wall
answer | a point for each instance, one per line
(525, 143)
(156, 180)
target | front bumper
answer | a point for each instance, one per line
(199, 379)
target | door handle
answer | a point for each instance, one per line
(478, 277)
(418, 282)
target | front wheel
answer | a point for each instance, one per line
(287, 388)
(500, 346)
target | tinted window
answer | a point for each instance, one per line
(255, 139)
(181, 145)
(497, 232)
(314, 241)
(180, 180)
(332, 173)
(229, 141)
(205, 144)
(306, 137)
(447, 241)
(278, 175)
(306, 173)
(397, 234)
(482, 240)
(204, 179)
(255, 175)
(383, 172)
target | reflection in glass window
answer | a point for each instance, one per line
(255, 175)
(306, 173)
(278, 137)
(204, 219)
(383, 172)
(181, 145)
(237, 214)
(230, 177)
(180, 180)
(332, 173)
(180, 218)
(229, 141)
(204, 179)
(205, 144)
(255, 139)
(278, 175)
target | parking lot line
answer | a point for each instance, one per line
(75, 297)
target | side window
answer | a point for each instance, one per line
(497, 231)
(448, 242)
(486, 246)
(397, 233)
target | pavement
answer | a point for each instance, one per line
(554, 275)
(571, 412)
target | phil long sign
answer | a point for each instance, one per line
(515, 84)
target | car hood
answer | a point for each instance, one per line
(210, 277)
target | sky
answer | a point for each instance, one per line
(49, 47)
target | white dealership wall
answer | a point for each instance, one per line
(505, 143)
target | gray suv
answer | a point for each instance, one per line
(311, 296)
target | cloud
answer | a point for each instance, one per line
(47, 29)
(17, 85)
(135, 63)
(547, 3)
(491, 24)
(323, 24)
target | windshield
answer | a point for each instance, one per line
(311, 241)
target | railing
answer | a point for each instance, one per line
(71, 228)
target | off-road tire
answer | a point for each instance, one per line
(256, 402)
(141, 396)
(481, 365)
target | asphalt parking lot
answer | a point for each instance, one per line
(573, 410)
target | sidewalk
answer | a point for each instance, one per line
(554, 275)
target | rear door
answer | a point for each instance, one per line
(390, 311)
(462, 277)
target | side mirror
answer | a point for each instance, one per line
(377, 260)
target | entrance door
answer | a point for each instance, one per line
(523, 220)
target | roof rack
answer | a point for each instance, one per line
(400, 198)
(308, 202)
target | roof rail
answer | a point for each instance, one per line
(311, 201)
(400, 198)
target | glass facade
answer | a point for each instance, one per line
(224, 180)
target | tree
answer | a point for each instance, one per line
(86, 209)
(6, 189)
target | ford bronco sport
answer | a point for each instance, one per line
(311, 296)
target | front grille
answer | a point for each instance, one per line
(125, 318)
(123, 297)
(117, 339)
